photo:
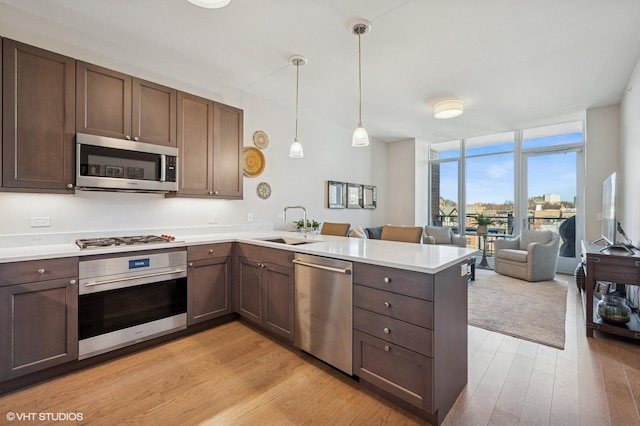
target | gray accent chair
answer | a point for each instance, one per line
(532, 256)
(442, 235)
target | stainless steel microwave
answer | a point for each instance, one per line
(104, 163)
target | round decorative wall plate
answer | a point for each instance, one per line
(254, 161)
(260, 139)
(263, 190)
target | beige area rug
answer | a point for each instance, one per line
(529, 311)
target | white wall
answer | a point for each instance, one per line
(327, 147)
(602, 155)
(630, 157)
(401, 181)
(407, 180)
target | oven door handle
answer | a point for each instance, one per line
(156, 274)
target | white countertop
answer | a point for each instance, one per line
(409, 256)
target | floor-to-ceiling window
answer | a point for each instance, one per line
(551, 159)
(444, 167)
(524, 179)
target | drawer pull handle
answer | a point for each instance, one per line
(387, 305)
(387, 279)
(72, 282)
(190, 264)
(387, 348)
(386, 330)
(41, 271)
(210, 251)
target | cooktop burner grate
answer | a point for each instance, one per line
(122, 241)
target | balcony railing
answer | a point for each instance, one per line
(502, 225)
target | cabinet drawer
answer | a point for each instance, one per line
(266, 255)
(397, 306)
(398, 332)
(623, 271)
(410, 283)
(38, 270)
(404, 374)
(208, 251)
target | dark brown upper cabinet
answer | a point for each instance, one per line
(38, 119)
(210, 148)
(117, 105)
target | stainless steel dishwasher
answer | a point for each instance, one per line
(323, 309)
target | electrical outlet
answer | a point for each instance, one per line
(40, 222)
(464, 270)
(212, 218)
(249, 217)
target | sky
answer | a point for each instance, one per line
(490, 179)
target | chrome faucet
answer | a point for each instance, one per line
(304, 217)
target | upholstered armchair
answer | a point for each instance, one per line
(532, 256)
(443, 235)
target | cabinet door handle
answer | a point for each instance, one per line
(387, 305)
(70, 186)
(386, 330)
(210, 192)
(72, 282)
(190, 264)
(387, 279)
(127, 137)
(215, 192)
(41, 271)
(136, 139)
(210, 251)
(387, 348)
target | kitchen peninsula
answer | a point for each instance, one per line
(409, 304)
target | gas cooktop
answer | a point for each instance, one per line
(123, 241)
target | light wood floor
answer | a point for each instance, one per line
(233, 375)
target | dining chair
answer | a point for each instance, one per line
(338, 229)
(407, 234)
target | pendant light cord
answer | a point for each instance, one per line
(297, 78)
(359, 82)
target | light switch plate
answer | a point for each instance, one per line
(212, 218)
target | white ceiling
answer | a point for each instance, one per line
(515, 63)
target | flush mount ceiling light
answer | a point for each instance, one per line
(295, 150)
(448, 109)
(360, 136)
(210, 4)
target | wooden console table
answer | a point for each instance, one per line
(612, 265)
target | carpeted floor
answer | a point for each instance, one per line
(530, 311)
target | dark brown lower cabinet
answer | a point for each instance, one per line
(38, 326)
(265, 293)
(410, 336)
(209, 279)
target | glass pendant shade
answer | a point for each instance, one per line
(210, 4)
(360, 136)
(295, 150)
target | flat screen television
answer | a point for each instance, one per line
(610, 224)
(609, 218)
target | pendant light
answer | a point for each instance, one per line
(360, 136)
(295, 150)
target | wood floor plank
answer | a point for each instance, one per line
(234, 375)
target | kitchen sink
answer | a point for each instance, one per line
(284, 240)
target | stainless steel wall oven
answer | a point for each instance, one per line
(128, 298)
